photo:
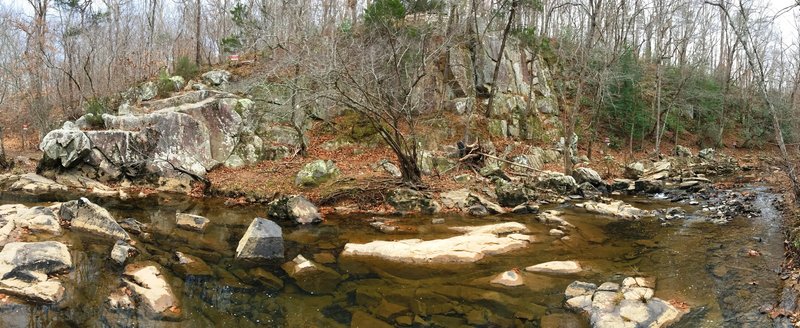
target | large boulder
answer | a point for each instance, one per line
(35, 219)
(585, 174)
(558, 182)
(25, 270)
(312, 277)
(65, 146)
(84, 215)
(315, 173)
(216, 77)
(634, 170)
(512, 194)
(294, 208)
(151, 289)
(262, 240)
(683, 151)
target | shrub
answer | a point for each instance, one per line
(384, 12)
(96, 107)
(186, 68)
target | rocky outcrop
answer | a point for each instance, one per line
(294, 208)
(30, 183)
(315, 173)
(25, 270)
(634, 170)
(628, 305)
(557, 182)
(262, 240)
(84, 215)
(150, 288)
(312, 277)
(472, 246)
(171, 142)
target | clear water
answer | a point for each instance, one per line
(702, 264)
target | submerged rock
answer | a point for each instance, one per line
(470, 247)
(90, 217)
(151, 289)
(312, 277)
(295, 208)
(509, 278)
(262, 240)
(636, 308)
(191, 222)
(556, 267)
(190, 266)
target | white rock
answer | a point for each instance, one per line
(509, 278)
(556, 267)
(580, 303)
(609, 287)
(149, 285)
(556, 232)
(579, 288)
(634, 310)
(637, 293)
(470, 247)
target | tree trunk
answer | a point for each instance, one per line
(496, 72)
(198, 43)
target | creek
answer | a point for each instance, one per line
(708, 266)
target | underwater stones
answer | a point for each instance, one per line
(90, 217)
(312, 277)
(266, 279)
(150, 287)
(556, 267)
(606, 307)
(295, 208)
(190, 266)
(474, 245)
(191, 222)
(262, 240)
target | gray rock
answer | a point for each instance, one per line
(191, 222)
(617, 208)
(707, 154)
(558, 182)
(648, 186)
(46, 257)
(90, 217)
(579, 288)
(409, 200)
(315, 173)
(66, 146)
(35, 219)
(187, 265)
(527, 208)
(25, 270)
(294, 208)
(148, 90)
(216, 78)
(178, 82)
(34, 184)
(312, 277)
(659, 171)
(683, 151)
(121, 252)
(478, 210)
(585, 174)
(390, 168)
(634, 171)
(512, 194)
(262, 240)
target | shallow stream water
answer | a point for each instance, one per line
(705, 265)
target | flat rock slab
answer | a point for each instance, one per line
(617, 209)
(470, 247)
(84, 215)
(556, 267)
(24, 270)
